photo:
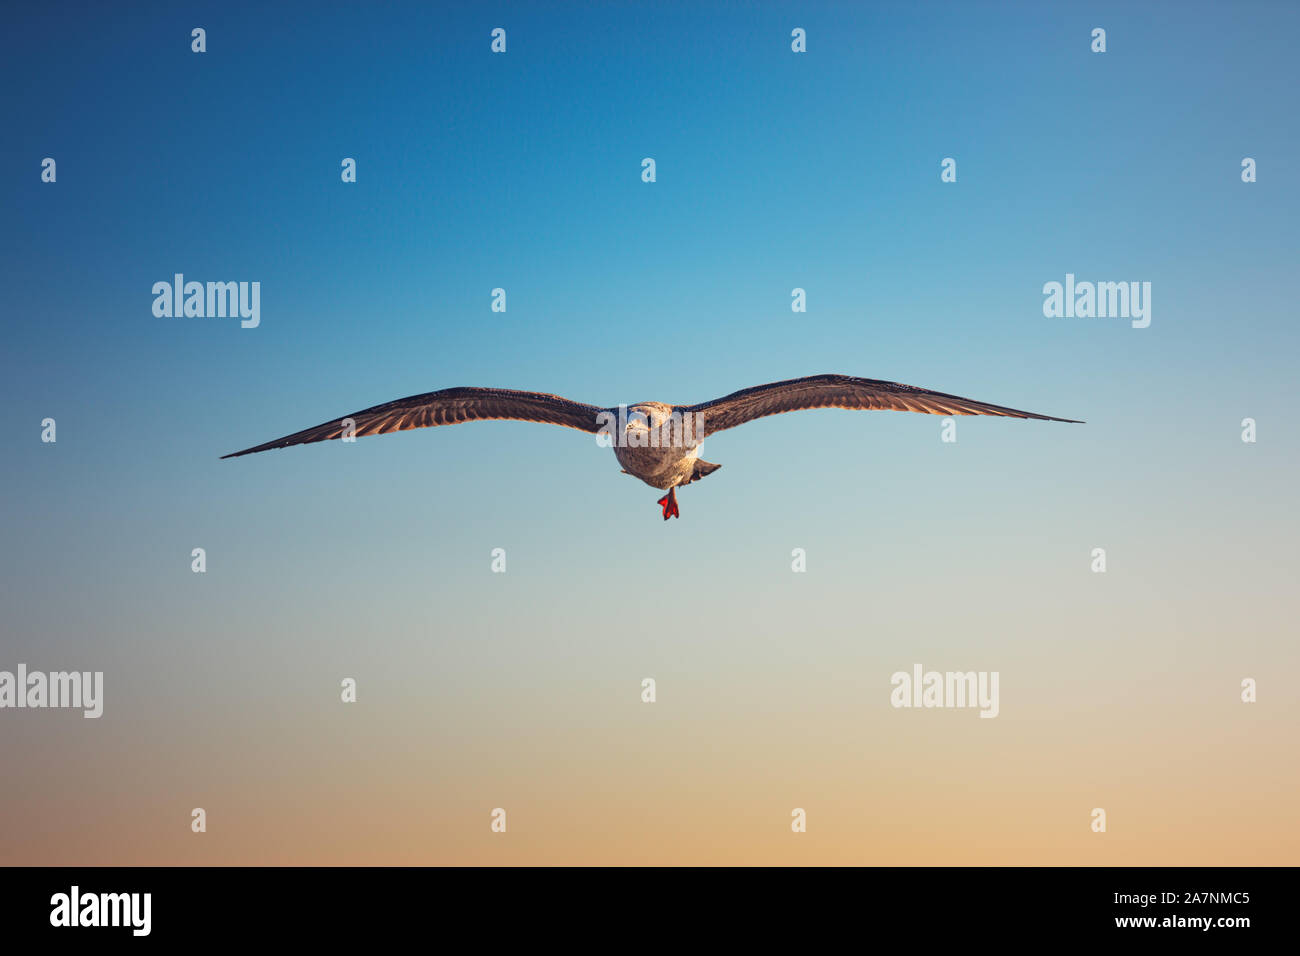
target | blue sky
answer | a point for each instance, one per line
(522, 171)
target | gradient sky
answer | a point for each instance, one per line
(775, 171)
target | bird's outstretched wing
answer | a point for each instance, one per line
(840, 391)
(450, 406)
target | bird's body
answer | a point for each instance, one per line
(661, 464)
(653, 441)
(661, 468)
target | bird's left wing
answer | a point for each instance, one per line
(450, 406)
(840, 391)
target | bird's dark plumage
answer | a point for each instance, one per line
(450, 406)
(841, 391)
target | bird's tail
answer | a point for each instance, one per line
(701, 469)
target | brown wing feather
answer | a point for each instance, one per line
(841, 391)
(450, 406)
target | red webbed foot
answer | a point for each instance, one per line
(669, 502)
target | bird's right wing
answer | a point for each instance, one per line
(450, 406)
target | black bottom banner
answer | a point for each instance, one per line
(184, 905)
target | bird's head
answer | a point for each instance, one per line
(645, 416)
(656, 425)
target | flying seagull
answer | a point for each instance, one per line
(655, 442)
